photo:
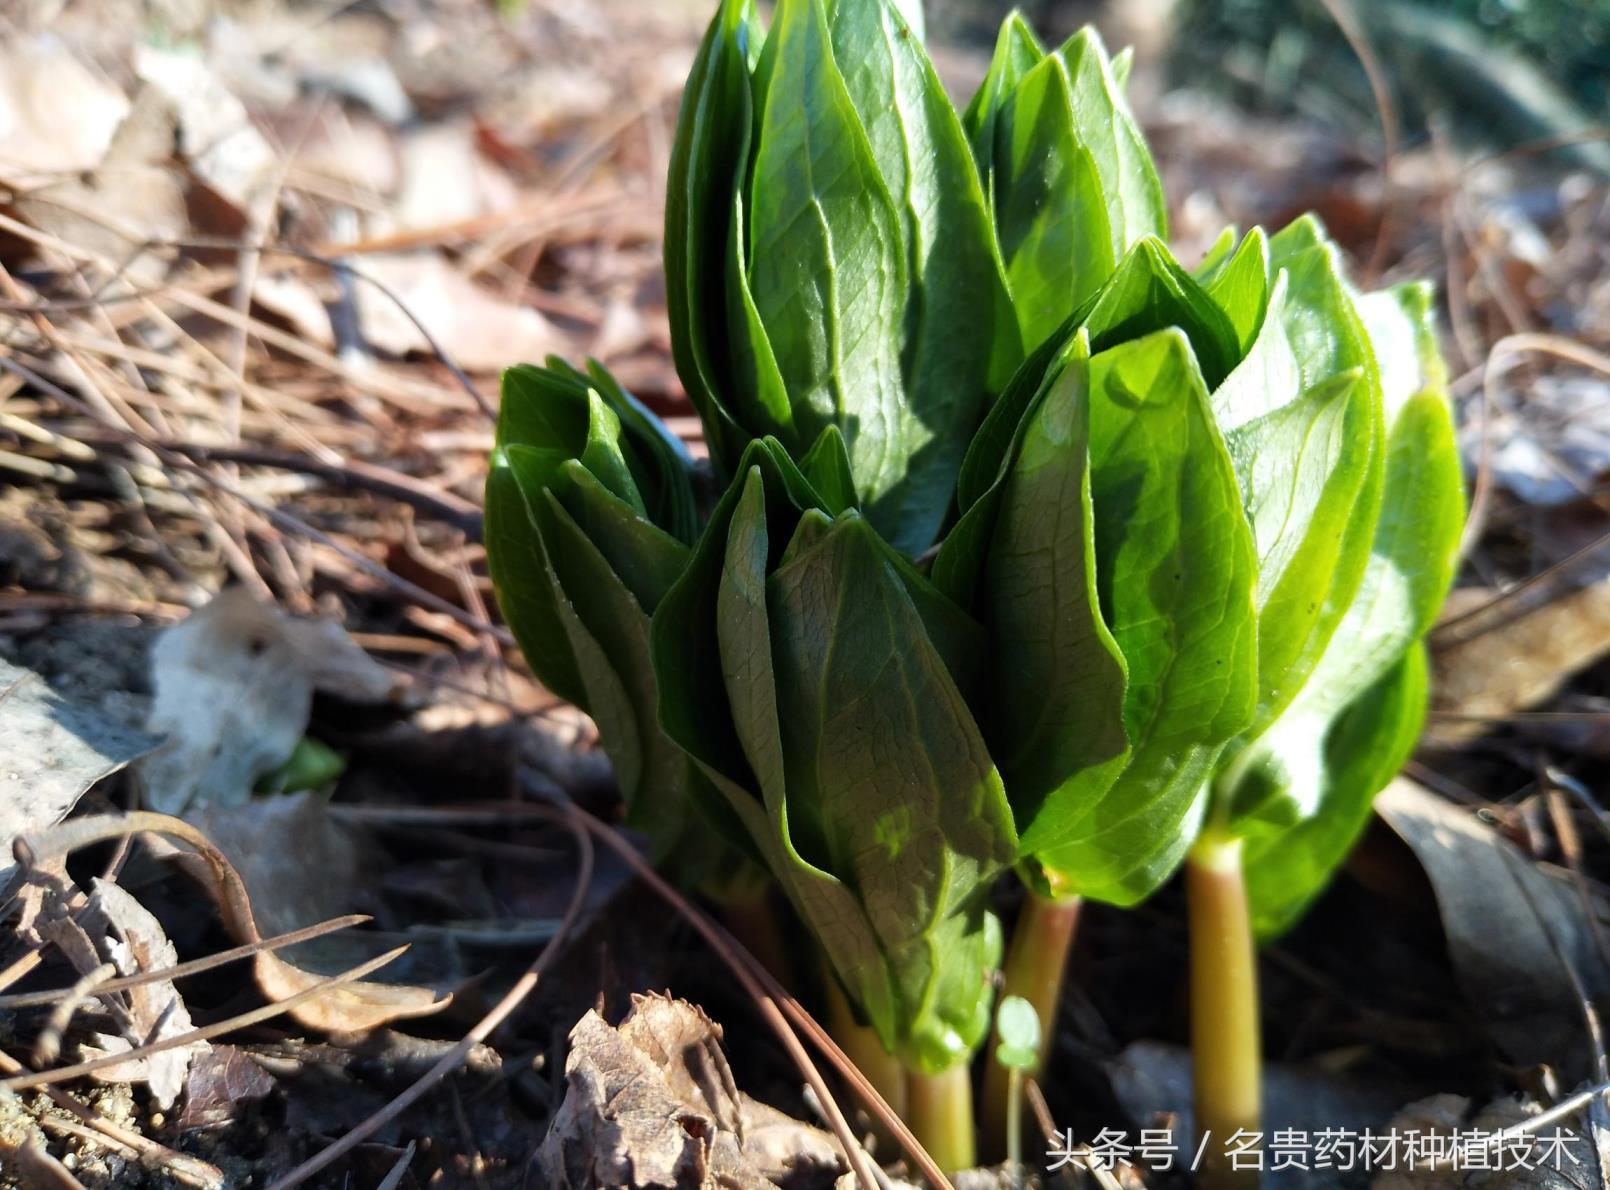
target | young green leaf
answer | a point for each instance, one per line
(1280, 775)
(803, 679)
(1175, 574)
(1366, 746)
(1017, 1028)
(1056, 687)
(1073, 184)
(709, 161)
(1017, 51)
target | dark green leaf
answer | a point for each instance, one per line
(709, 162)
(827, 467)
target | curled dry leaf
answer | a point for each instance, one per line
(133, 940)
(1521, 946)
(345, 1008)
(234, 685)
(51, 751)
(653, 1104)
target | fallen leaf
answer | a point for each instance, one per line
(1521, 660)
(220, 1081)
(51, 752)
(216, 139)
(353, 1007)
(478, 330)
(1521, 948)
(234, 686)
(653, 1104)
(134, 942)
(1574, 1167)
(56, 114)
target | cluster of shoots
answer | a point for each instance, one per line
(1030, 550)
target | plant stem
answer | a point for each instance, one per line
(861, 1045)
(939, 1108)
(1225, 1045)
(1035, 961)
(751, 918)
(1014, 1125)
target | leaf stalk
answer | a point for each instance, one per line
(1225, 1042)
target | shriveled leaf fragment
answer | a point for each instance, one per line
(652, 1104)
(133, 941)
(234, 687)
(221, 1082)
(53, 750)
(349, 1007)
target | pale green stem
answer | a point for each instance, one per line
(1225, 1044)
(939, 1110)
(861, 1045)
(1035, 963)
(1014, 1125)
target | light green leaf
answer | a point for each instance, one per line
(1280, 775)
(1364, 749)
(1239, 284)
(1073, 184)
(814, 697)
(1017, 51)
(961, 331)
(1176, 571)
(1017, 1026)
(1056, 704)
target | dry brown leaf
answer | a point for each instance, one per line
(1521, 945)
(345, 1008)
(215, 137)
(134, 942)
(234, 685)
(51, 751)
(1521, 661)
(653, 1104)
(220, 1081)
(479, 331)
(57, 116)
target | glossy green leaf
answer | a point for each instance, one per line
(1280, 776)
(828, 267)
(1364, 749)
(1176, 571)
(961, 332)
(827, 467)
(1239, 284)
(1017, 51)
(1302, 414)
